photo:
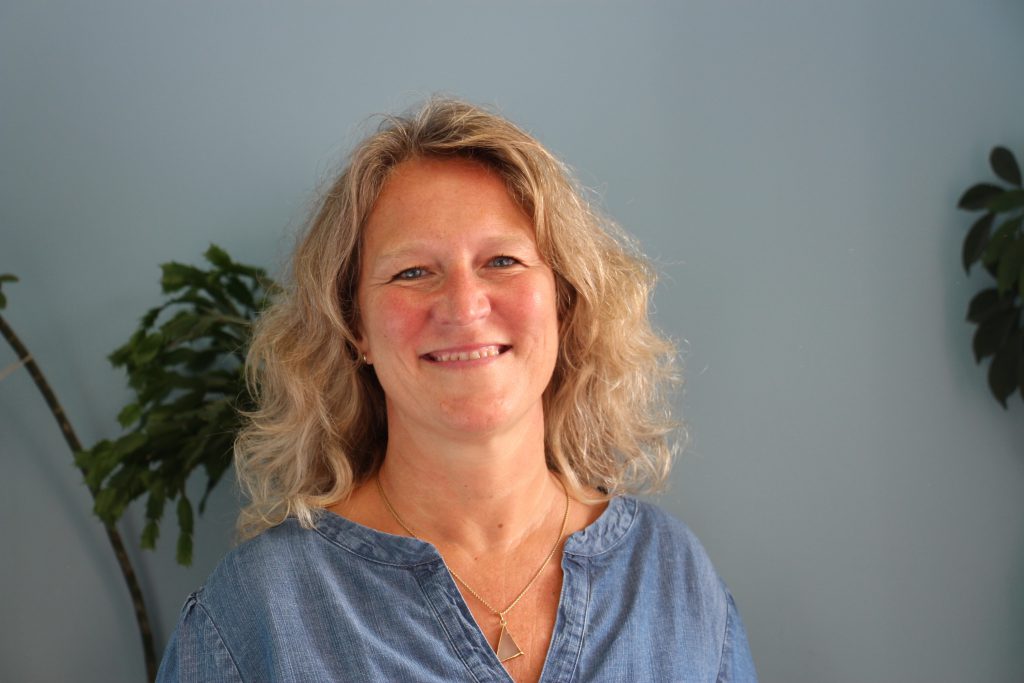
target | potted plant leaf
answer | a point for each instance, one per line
(996, 240)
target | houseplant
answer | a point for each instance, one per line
(184, 364)
(996, 240)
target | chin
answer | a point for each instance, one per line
(477, 417)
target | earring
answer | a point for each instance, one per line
(365, 360)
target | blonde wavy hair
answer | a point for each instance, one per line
(320, 427)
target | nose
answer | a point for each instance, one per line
(464, 299)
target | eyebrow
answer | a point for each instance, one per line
(409, 249)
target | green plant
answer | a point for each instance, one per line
(997, 310)
(185, 364)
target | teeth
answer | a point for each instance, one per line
(476, 354)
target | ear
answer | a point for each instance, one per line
(363, 350)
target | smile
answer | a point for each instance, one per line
(478, 353)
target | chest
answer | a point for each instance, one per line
(528, 627)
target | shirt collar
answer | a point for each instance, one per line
(599, 537)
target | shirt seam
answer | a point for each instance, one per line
(583, 626)
(220, 637)
(351, 551)
(725, 638)
(619, 541)
(447, 633)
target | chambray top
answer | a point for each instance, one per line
(342, 602)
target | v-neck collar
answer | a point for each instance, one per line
(450, 608)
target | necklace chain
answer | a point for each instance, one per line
(500, 613)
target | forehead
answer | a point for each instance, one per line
(452, 199)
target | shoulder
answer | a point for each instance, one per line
(654, 575)
(655, 554)
(270, 551)
(704, 596)
(656, 530)
(661, 535)
(263, 586)
(639, 542)
(635, 527)
(267, 567)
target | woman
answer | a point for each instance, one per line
(455, 392)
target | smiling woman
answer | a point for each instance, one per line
(458, 312)
(459, 385)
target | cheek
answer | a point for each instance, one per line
(395, 318)
(535, 304)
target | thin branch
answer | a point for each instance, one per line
(116, 542)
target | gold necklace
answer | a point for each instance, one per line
(507, 648)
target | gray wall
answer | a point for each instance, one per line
(791, 166)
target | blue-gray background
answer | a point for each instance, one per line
(791, 166)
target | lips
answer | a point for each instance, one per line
(466, 354)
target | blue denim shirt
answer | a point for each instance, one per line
(342, 602)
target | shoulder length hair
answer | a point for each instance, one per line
(320, 427)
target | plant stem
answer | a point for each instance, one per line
(113, 535)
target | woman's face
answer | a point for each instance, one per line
(457, 307)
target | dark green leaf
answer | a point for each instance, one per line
(155, 505)
(150, 317)
(184, 554)
(1008, 272)
(216, 467)
(128, 444)
(1020, 376)
(184, 513)
(147, 349)
(196, 300)
(1005, 165)
(8, 277)
(3, 301)
(184, 324)
(129, 414)
(216, 290)
(123, 487)
(992, 333)
(977, 196)
(218, 257)
(977, 240)
(1002, 373)
(123, 354)
(240, 292)
(1004, 235)
(986, 303)
(177, 276)
(150, 533)
(1007, 201)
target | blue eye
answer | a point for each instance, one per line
(503, 261)
(410, 273)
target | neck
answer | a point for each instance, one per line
(482, 495)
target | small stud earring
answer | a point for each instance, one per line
(365, 360)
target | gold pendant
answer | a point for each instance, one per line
(507, 648)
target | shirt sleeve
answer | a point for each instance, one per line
(196, 652)
(737, 664)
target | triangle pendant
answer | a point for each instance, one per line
(507, 648)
